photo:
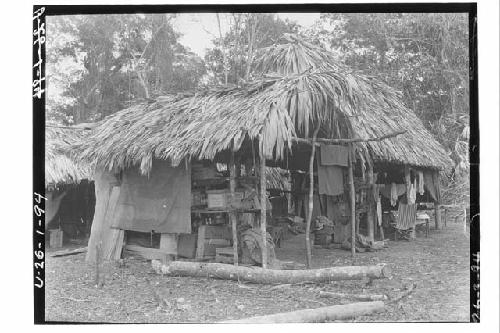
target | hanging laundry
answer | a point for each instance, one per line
(407, 215)
(334, 155)
(412, 194)
(387, 191)
(376, 191)
(421, 182)
(330, 179)
(379, 211)
(431, 179)
(394, 194)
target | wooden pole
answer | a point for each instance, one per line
(311, 200)
(437, 215)
(317, 315)
(263, 202)
(232, 215)
(370, 200)
(352, 197)
(353, 140)
(437, 203)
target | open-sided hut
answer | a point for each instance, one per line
(143, 155)
(68, 186)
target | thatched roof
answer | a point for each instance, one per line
(302, 87)
(276, 178)
(59, 166)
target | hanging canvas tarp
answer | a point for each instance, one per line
(330, 171)
(160, 202)
(431, 183)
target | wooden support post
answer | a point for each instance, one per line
(437, 214)
(352, 200)
(168, 244)
(445, 216)
(289, 196)
(311, 200)
(370, 221)
(408, 187)
(232, 215)
(437, 203)
(263, 202)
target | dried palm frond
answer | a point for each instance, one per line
(59, 166)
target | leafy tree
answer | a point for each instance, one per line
(121, 57)
(247, 33)
(423, 55)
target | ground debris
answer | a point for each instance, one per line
(217, 300)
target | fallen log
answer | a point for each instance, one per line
(270, 276)
(359, 297)
(318, 315)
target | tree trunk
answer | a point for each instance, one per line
(224, 58)
(270, 276)
(329, 313)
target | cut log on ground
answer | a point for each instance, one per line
(270, 276)
(329, 313)
(359, 297)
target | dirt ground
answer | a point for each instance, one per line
(439, 265)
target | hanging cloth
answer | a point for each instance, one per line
(334, 155)
(412, 194)
(421, 182)
(394, 194)
(407, 214)
(387, 190)
(379, 211)
(330, 178)
(431, 179)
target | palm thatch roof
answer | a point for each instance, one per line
(301, 87)
(277, 179)
(59, 166)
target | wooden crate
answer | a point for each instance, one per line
(224, 255)
(217, 199)
(211, 237)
